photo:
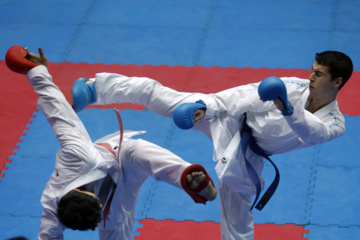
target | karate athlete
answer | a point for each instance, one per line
(97, 184)
(280, 115)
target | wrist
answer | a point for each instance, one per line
(289, 110)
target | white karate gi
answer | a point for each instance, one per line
(273, 132)
(80, 162)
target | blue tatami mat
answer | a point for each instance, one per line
(16, 226)
(335, 198)
(289, 204)
(318, 184)
(272, 34)
(168, 202)
(24, 185)
(333, 232)
(343, 151)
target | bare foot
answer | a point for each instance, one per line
(195, 178)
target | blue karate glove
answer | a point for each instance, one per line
(272, 88)
(82, 94)
(183, 115)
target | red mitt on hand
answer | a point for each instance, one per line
(16, 60)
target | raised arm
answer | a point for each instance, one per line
(76, 146)
(323, 126)
(67, 126)
(313, 128)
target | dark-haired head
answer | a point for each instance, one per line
(340, 65)
(79, 211)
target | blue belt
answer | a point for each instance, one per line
(248, 140)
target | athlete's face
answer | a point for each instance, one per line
(321, 83)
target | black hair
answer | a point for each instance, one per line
(79, 211)
(340, 65)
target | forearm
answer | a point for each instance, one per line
(50, 227)
(55, 107)
(310, 128)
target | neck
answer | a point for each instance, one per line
(317, 103)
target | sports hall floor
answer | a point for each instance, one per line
(190, 45)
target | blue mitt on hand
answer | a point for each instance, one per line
(183, 115)
(272, 88)
(83, 94)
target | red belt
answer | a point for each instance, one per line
(107, 146)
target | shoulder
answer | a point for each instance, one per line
(295, 82)
(332, 117)
(335, 118)
(295, 85)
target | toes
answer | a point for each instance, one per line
(189, 178)
(194, 179)
(197, 174)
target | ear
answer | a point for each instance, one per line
(338, 82)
